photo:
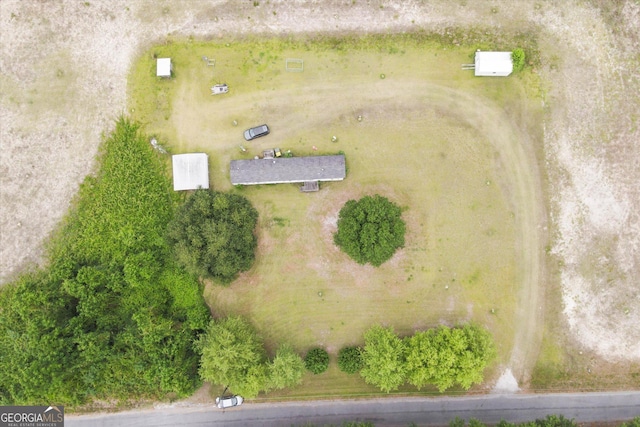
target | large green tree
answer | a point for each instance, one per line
(448, 356)
(370, 230)
(286, 369)
(383, 359)
(213, 234)
(233, 355)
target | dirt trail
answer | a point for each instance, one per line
(63, 68)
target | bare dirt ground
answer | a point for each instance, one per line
(64, 64)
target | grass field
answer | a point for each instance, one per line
(428, 136)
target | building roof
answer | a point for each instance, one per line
(163, 67)
(493, 63)
(288, 169)
(190, 171)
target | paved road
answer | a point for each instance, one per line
(583, 407)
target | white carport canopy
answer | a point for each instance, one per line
(497, 64)
(163, 67)
(190, 171)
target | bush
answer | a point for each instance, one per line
(350, 360)
(518, 58)
(212, 235)
(317, 360)
(370, 229)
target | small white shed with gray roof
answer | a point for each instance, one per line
(190, 171)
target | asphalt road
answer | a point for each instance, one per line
(583, 407)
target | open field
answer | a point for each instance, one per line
(433, 138)
(64, 67)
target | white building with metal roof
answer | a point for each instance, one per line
(190, 171)
(496, 64)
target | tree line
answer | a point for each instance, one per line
(112, 316)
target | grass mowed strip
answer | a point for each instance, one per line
(416, 136)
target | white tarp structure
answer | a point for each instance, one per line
(190, 171)
(498, 64)
(163, 67)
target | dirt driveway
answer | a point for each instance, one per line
(63, 68)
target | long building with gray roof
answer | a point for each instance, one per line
(287, 170)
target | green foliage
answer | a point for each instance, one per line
(212, 234)
(445, 356)
(111, 318)
(370, 229)
(233, 355)
(286, 369)
(383, 359)
(518, 58)
(350, 359)
(317, 360)
(548, 421)
(555, 421)
(633, 423)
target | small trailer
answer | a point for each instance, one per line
(219, 89)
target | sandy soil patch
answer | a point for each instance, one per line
(64, 66)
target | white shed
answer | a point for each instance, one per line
(498, 64)
(163, 67)
(190, 171)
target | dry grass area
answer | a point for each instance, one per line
(441, 146)
(63, 68)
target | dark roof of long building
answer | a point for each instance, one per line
(288, 169)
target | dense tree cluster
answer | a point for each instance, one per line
(112, 317)
(233, 356)
(213, 234)
(444, 357)
(370, 230)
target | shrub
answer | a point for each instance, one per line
(350, 360)
(518, 59)
(370, 229)
(317, 360)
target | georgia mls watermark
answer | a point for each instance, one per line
(31, 416)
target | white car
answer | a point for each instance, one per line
(229, 401)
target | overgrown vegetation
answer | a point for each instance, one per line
(444, 357)
(317, 360)
(212, 235)
(370, 229)
(518, 58)
(548, 421)
(112, 317)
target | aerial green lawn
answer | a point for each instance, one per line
(414, 128)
